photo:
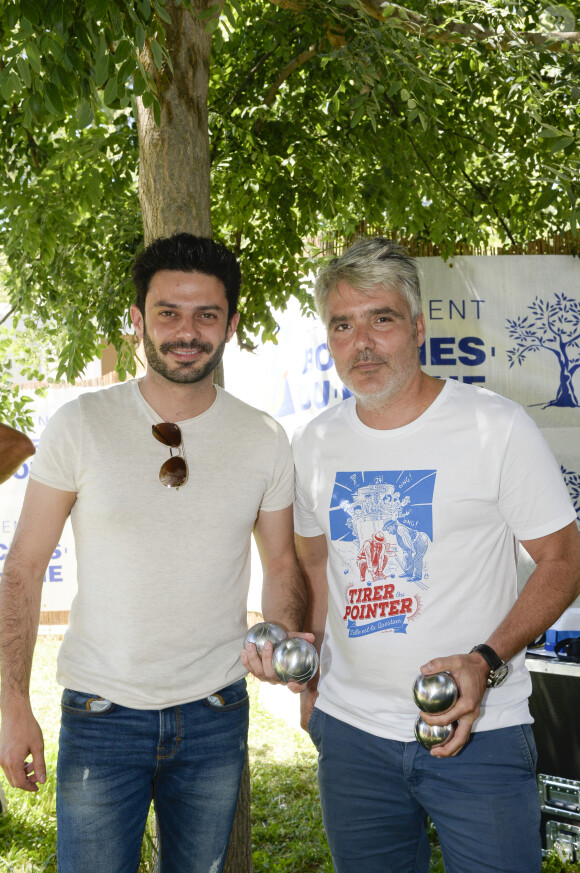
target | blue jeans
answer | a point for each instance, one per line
(113, 761)
(376, 795)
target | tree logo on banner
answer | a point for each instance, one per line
(554, 326)
(572, 481)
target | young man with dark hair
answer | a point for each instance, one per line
(165, 479)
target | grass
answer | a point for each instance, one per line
(287, 833)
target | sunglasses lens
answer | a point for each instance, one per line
(167, 433)
(173, 473)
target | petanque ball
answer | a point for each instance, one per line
(435, 693)
(265, 632)
(430, 735)
(295, 660)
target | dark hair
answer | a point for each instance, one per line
(189, 254)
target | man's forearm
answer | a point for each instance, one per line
(284, 598)
(551, 588)
(535, 610)
(19, 616)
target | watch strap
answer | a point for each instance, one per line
(498, 669)
(487, 653)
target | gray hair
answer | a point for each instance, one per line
(367, 263)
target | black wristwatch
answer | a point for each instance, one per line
(498, 669)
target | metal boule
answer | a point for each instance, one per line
(430, 735)
(295, 660)
(435, 693)
(264, 632)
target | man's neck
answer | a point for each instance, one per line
(177, 401)
(404, 408)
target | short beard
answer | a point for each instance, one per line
(186, 373)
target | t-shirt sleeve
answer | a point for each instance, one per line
(280, 492)
(55, 461)
(305, 523)
(533, 497)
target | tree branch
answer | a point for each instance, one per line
(489, 201)
(262, 60)
(284, 74)
(437, 181)
(294, 64)
(453, 31)
(7, 316)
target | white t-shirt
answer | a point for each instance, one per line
(163, 573)
(421, 523)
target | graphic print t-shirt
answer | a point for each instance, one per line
(421, 523)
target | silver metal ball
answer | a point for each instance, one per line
(295, 660)
(435, 693)
(264, 632)
(430, 735)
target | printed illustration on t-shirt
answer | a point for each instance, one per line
(381, 524)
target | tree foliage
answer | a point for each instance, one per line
(448, 122)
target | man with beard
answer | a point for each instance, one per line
(473, 477)
(155, 704)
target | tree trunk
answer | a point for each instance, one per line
(174, 169)
(239, 859)
(174, 193)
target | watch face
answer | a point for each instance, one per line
(496, 677)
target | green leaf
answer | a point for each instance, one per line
(139, 36)
(212, 25)
(102, 69)
(357, 115)
(110, 92)
(33, 55)
(24, 71)
(61, 77)
(157, 53)
(53, 100)
(6, 85)
(125, 71)
(123, 51)
(210, 12)
(84, 114)
(144, 7)
(32, 11)
(157, 112)
(217, 39)
(162, 12)
(546, 198)
(229, 13)
(561, 143)
(139, 83)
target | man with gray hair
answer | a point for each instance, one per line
(467, 473)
